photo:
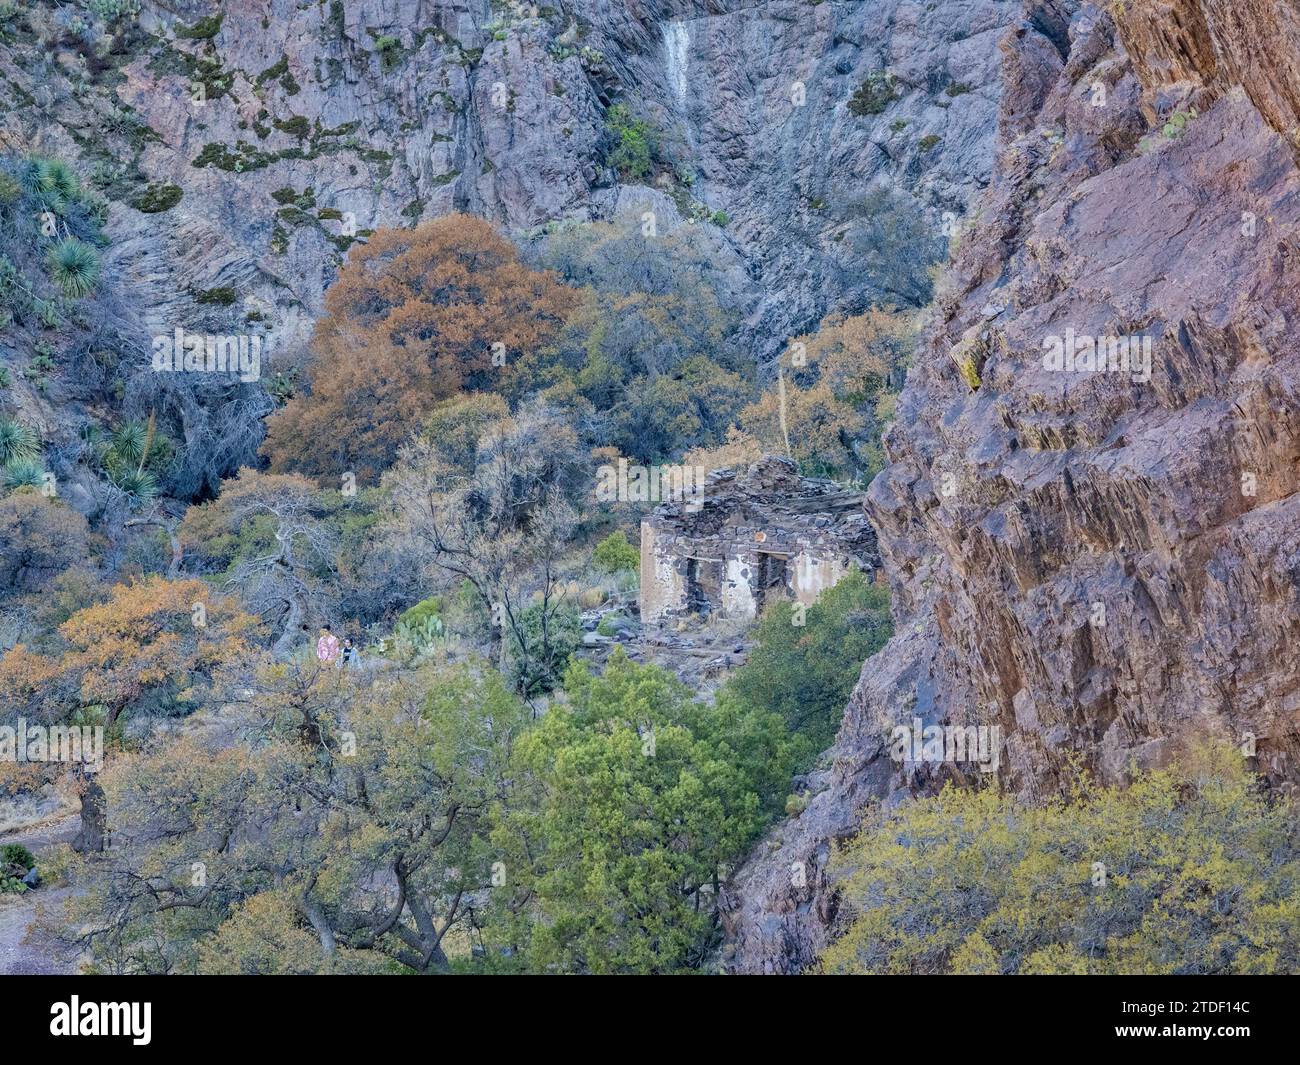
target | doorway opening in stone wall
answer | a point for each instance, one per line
(703, 585)
(771, 582)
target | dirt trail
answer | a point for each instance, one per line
(23, 949)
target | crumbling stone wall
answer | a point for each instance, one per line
(759, 532)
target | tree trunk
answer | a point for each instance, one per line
(94, 819)
(292, 627)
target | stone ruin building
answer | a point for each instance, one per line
(755, 533)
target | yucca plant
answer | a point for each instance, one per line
(74, 266)
(140, 485)
(17, 441)
(32, 175)
(24, 473)
(130, 444)
(57, 177)
(51, 182)
(133, 449)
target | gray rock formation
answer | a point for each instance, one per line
(1104, 564)
(243, 156)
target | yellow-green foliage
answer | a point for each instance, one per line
(969, 355)
(1188, 871)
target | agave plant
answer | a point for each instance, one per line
(24, 473)
(17, 441)
(74, 266)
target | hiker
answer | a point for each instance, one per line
(327, 647)
(351, 656)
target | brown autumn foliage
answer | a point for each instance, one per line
(829, 408)
(39, 538)
(412, 319)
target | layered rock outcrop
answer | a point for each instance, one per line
(244, 145)
(1104, 563)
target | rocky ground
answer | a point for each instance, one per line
(700, 653)
(24, 949)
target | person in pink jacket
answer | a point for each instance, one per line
(327, 647)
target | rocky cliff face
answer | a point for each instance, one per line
(819, 144)
(1104, 564)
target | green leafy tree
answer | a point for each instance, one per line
(649, 346)
(626, 813)
(346, 835)
(614, 554)
(634, 143)
(804, 674)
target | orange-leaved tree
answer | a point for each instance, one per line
(151, 643)
(415, 316)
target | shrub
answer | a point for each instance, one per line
(10, 190)
(39, 539)
(390, 51)
(634, 143)
(614, 554)
(875, 93)
(8, 11)
(16, 854)
(221, 296)
(1190, 870)
(15, 295)
(542, 666)
(158, 197)
(114, 11)
(205, 29)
